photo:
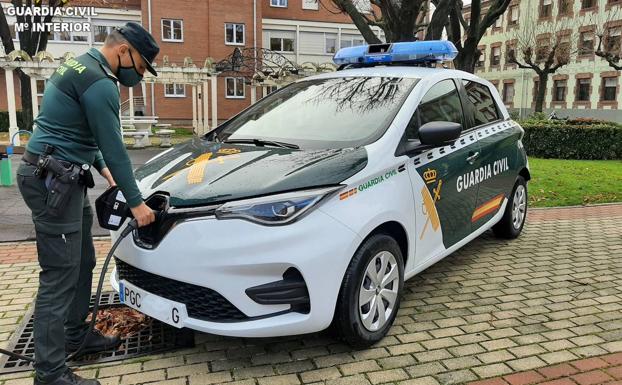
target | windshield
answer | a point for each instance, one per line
(323, 113)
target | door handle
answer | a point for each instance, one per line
(471, 158)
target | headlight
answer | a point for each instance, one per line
(278, 209)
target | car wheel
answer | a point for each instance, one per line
(513, 220)
(370, 292)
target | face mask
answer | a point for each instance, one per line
(128, 76)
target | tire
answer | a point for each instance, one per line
(513, 220)
(350, 322)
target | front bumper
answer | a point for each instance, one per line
(213, 264)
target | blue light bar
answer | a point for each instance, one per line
(426, 51)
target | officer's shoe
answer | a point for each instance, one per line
(95, 342)
(69, 378)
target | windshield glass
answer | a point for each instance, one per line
(323, 113)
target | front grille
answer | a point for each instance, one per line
(201, 302)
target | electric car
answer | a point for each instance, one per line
(311, 207)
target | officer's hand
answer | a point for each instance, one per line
(143, 214)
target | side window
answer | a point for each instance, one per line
(484, 107)
(440, 103)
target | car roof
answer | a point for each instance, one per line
(397, 71)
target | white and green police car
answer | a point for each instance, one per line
(314, 205)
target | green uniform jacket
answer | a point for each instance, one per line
(80, 118)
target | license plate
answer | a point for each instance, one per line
(162, 309)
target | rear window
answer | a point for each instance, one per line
(484, 107)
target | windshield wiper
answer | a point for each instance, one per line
(262, 142)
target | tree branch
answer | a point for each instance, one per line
(359, 20)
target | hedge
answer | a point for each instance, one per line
(4, 121)
(573, 139)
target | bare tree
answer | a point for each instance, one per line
(543, 47)
(609, 34)
(467, 35)
(404, 20)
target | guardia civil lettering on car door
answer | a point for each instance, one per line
(481, 174)
(377, 185)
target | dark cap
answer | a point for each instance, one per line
(142, 41)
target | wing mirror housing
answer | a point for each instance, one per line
(438, 134)
(431, 135)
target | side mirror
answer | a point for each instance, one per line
(436, 134)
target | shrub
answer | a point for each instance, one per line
(4, 121)
(563, 140)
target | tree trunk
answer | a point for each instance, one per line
(359, 21)
(439, 21)
(467, 57)
(543, 79)
(26, 101)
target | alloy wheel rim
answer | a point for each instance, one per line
(519, 205)
(378, 291)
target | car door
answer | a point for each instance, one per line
(443, 213)
(498, 145)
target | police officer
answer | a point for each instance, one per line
(79, 125)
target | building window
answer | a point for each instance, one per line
(330, 43)
(559, 91)
(235, 88)
(610, 89)
(40, 87)
(80, 37)
(269, 89)
(508, 92)
(586, 43)
(513, 15)
(565, 7)
(498, 22)
(234, 34)
(278, 3)
(351, 42)
(101, 32)
(68, 36)
(174, 90)
(583, 90)
(510, 54)
(495, 59)
(311, 4)
(546, 8)
(482, 58)
(585, 4)
(613, 39)
(172, 30)
(282, 44)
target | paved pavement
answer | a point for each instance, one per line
(15, 221)
(546, 307)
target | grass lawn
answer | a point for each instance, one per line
(556, 182)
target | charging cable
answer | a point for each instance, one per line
(131, 226)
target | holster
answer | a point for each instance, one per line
(62, 183)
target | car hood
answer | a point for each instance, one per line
(200, 172)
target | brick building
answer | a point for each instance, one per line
(301, 30)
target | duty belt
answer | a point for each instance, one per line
(33, 159)
(83, 171)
